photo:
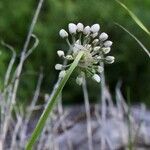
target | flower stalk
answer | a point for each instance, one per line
(86, 50)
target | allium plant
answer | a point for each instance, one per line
(94, 46)
(87, 49)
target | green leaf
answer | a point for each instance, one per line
(51, 103)
(134, 37)
(134, 17)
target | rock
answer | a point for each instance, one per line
(113, 131)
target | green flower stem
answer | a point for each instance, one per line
(51, 103)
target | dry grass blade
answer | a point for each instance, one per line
(11, 63)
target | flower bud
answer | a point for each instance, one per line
(60, 53)
(80, 27)
(108, 43)
(62, 74)
(72, 28)
(87, 30)
(96, 48)
(63, 33)
(100, 69)
(95, 42)
(106, 50)
(96, 77)
(69, 57)
(98, 57)
(79, 80)
(110, 59)
(58, 66)
(103, 36)
(94, 35)
(95, 28)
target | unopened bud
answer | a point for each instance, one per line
(110, 59)
(80, 27)
(72, 28)
(95, 28)
(87, 30)
(100, 69)
(69, 57)
(108, 43)
(103, 36)
(96, 77)
(63, 33)
(94, 35)
(79, 80)
(96, 48)
(95, 42)
(60, 53)
(106, 50)
(62, 74)
(58, 66)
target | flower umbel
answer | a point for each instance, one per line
(94, 45)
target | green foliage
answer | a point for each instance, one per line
(132, 66)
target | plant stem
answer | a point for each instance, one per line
(51, 104)
(103, 99)
(88, 114)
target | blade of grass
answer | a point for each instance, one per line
(51, 104)
(134, 37)
(134, 17)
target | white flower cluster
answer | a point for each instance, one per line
(94, 44)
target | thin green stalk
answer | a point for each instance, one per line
(51, 103)
(134, 17)
(135, 38)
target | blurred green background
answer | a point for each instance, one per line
(132, 65)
